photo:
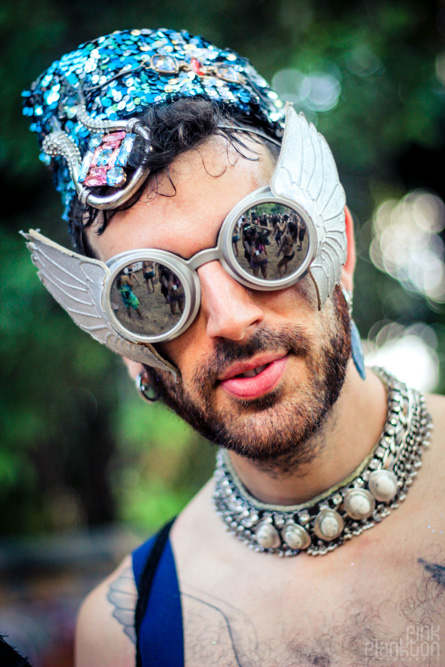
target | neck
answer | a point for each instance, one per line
(346, 438)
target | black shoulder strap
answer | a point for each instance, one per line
(9, 657)
(146, 581)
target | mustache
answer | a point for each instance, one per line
(290, 337)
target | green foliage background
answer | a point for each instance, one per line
(77, 446)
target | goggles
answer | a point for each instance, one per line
(151, 295)
(269, 241)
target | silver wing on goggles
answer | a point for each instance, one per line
(101, 297)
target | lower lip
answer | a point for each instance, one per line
(254, 387)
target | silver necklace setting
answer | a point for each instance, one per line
(356, 504)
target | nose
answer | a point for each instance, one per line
(227, 306)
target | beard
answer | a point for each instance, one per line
(276, 431)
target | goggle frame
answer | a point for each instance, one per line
(186, 269)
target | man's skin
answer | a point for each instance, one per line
(255, 609)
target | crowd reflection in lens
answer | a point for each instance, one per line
(274, 241)
(147, 298)
(270, 241)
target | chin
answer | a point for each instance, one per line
(280, 426)
(275, 427)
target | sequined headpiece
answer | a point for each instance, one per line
(80, 106)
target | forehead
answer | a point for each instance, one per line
(181, 211)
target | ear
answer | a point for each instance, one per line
(347, 275)
(133, 368)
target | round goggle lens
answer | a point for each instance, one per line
(147, 298)
(270, 241)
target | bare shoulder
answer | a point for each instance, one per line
(105, 625)
(436, 406)
(433, 460)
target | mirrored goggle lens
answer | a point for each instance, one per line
(147, 298)
(270, 241)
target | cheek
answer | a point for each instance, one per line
(186, 351)
(308, 292)
(294, 304)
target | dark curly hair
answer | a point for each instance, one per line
(174, 129)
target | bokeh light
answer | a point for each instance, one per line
(440, 67)
(362, 61)
(407, 243)
(407, 352)
(310, 93)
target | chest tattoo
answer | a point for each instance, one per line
(123, 596)
(400, 627)
(437, 571)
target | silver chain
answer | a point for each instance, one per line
(358, 503)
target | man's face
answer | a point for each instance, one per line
(259, 371)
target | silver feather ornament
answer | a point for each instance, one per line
(77, 283)
(307, 174)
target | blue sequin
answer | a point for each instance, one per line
(125, 57)
(46, 80)
(95, 141)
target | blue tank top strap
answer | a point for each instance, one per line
(158, 618)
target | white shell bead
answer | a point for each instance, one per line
(267, 536)
(328, 524)
(359, 503)
(296, 537)
(383, 485)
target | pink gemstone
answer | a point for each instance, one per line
(196, 66)
(96, 153)
(112, 144)
(96, 176)
(114, 136)
(114, 154)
